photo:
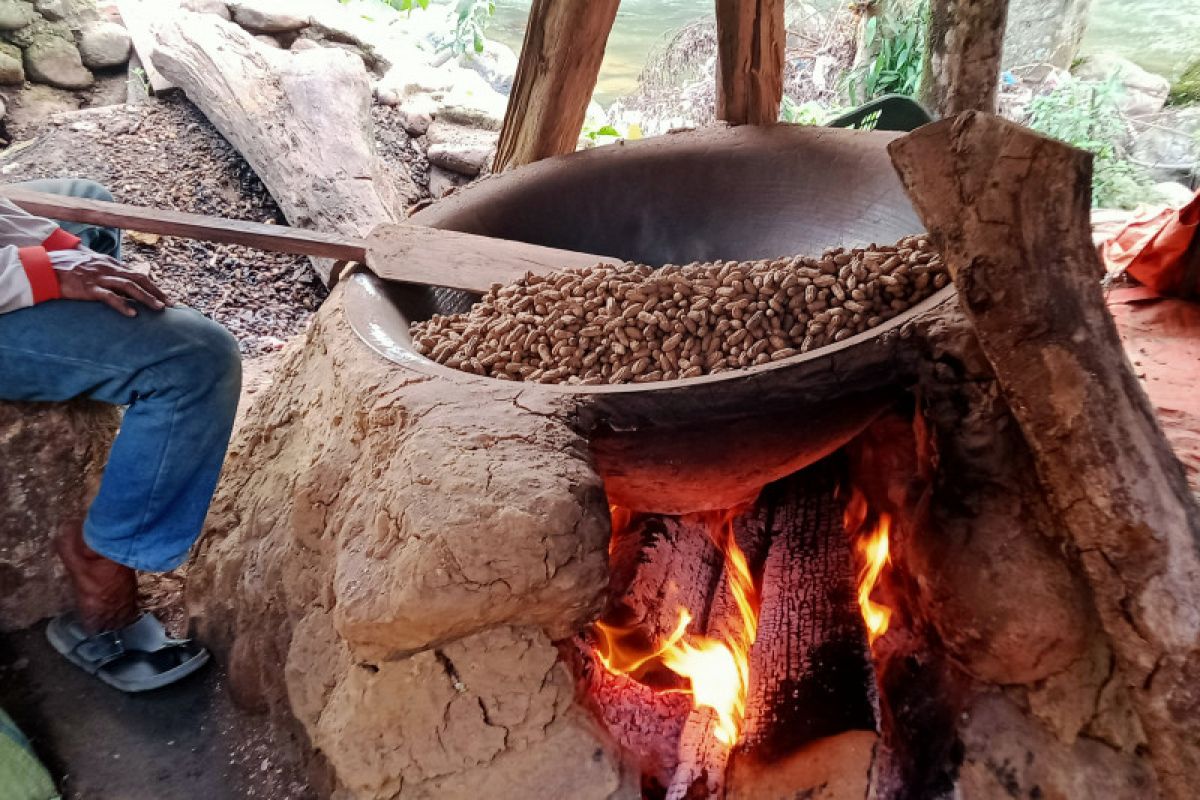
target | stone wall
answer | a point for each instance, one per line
(58, 42)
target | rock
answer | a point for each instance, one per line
(464, 150)
(15, 14)
(416, 114)
(417, 79)
(269, 41)
(497, 65)
(1044, 32)
(443, 181)
(1005, 754)
(56, 62)
(386, 97)
(302, 43)
(1143, 92)
(3, 109)
(218, 7)
(12, 67)
(53, 454)
(39, 30)
(265, 16)
(472, 102)
(1173, 193)
(1186, 90)
(75, 13)
(1168, 146)
(103, 45)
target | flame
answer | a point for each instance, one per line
(717, 669)
(871, 545)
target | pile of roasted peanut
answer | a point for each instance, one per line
(633, 323)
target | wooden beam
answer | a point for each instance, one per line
(556, 75)
(416, 254)
(1010, 211)
(397, 252)
(750, 45)
(962, 55)
(276, 238)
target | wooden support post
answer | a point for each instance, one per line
(556, 75)
(1010, 211)
(962, 55)
(750, 44)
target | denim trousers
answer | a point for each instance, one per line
(177, 372)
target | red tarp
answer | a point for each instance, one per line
(1161, 334)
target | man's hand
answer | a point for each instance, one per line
(87, 275)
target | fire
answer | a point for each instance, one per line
(871, 546)
(717, 669)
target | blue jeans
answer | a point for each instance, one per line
(178, 372)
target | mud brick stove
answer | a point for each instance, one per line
(949, 557)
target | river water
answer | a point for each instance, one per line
(1162, 36)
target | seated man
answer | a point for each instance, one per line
(74, 321)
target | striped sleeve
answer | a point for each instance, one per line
(26, 241)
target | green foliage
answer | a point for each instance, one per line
(607, 133)
(896, 36)
(1086, 115)
(473, 18)
(807, 113)
(1187, 89)
(400, 5)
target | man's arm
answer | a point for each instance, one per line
(40, 261)
(27, 275)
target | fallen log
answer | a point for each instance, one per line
(301, 120)
(1010, 211)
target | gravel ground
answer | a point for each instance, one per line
(402, 152)
(165, 154)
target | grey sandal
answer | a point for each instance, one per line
(136, 658)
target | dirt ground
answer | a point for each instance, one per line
(182, 742)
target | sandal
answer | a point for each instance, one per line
(136, 658)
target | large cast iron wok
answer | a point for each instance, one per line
(728, 193)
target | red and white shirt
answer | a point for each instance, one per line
(26, 274)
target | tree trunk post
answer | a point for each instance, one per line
(1010, 211)
(750, 44)
(556, 75)
(962, 55)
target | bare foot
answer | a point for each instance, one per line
(105, 591)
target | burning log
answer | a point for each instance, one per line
(703, 758)
(810, 662)
(707, 740)
(832, 768)
(1010, 210)
(659, 565)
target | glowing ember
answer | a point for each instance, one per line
(717, 670)
(872, 549)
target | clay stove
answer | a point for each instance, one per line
(443, 582)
